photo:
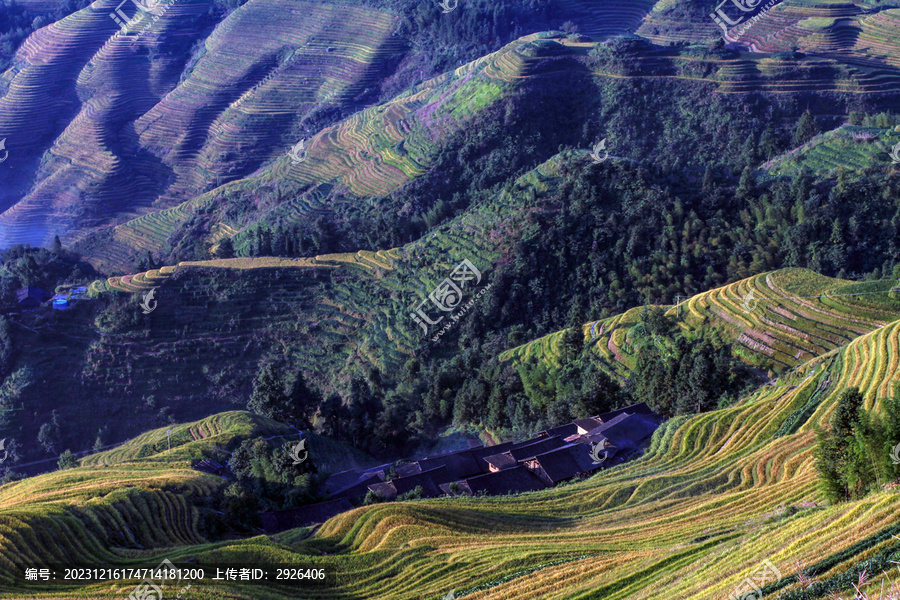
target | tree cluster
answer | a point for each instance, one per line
(861, 450)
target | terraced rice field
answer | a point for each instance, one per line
(715, 496)
(262, 71)
(372, 153)
(359, 303)
(780, 319)
(847, 147)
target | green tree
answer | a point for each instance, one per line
(303, 402)
(807, 128)
(268, 397)
(49, 434)
(225, 249)
(67, 460)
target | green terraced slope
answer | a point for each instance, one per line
(848, 148)
(715, 496)
(371, 154)
(778, 320)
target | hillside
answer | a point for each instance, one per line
(134, 124)
(396, 228)
(777, 321)
(196, 158)
(738, 478)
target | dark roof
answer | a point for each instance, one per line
(508, 481)
(407, 469)
(630, 433)
(32, 293)
(359, 487)
(595, 435)
(586, 424)
(500, 461)
(562, 430)
(607, 424)
(384, 490)
(479, 454)
(529, 448)
(340, 480)
(303, 515)
(429, 481)
(564, 463)
(381, 468)
(459, 464)
(462, 489)
(640, 408)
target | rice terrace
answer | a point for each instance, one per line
(445, 299)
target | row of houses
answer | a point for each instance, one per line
(553, 456)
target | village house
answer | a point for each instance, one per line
(29, 297)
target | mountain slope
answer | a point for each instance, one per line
(716, 495)
(778, 320)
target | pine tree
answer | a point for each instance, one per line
(303, 401)
(747, 184)
(807, 128)
(768, 142)
(225, 249)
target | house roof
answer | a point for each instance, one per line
(595, 435)
(566, 462)
(408, 469)
(561, 430)
(462, 489)
(342, 479)
(587, 423)
(630, 433)
(640, 408)
(31, 292)
(500, 461)
(479, 454)
(384, 489)
(508, 481)
(533, 446)
(359, 487)
(459, 464)
(607, 424)
(427, 479)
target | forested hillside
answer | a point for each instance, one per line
(392, 229)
